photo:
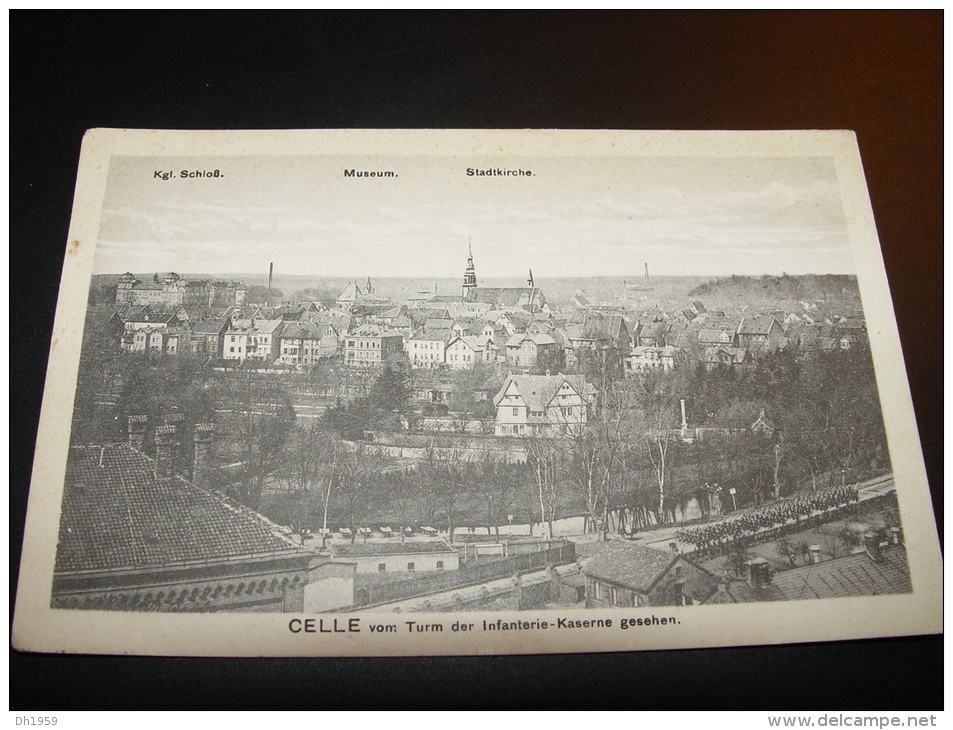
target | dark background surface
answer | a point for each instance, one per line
(879, 74)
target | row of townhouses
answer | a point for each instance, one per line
(510, 326)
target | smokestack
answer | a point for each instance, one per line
(137, 431)
(202, 438)
(166, 448)
(271, 271)
(646, 271)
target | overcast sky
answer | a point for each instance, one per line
(574, 217)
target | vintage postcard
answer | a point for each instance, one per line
(473, 392)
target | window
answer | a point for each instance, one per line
(439, 565)
(516, 411)
(600, 590)
(382, 567)
(410, 566)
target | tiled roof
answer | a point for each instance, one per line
(517, 296)
(150, 316)
(536, 338)
(434, 333)
(210, 327)
(369, 549)
(706, 336)
(477, 344)
(603, 327)
(538, 391)
(629, 564)
(116, 514)
(757, 326)
(304, 331)
(853, 575)
(256, 326)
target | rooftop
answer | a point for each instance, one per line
(391, 547)
(853, 575)
(629, 564)
(117, 514)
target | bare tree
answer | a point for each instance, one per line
(545, 464)
(358, 488)
(263, 418)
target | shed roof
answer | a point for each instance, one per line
(391, 547)
(629, 564)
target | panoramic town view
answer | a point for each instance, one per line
(274, 441)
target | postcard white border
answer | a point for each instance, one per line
(37, 627)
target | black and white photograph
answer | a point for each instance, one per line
(628, 386)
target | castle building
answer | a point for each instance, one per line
(171, 290)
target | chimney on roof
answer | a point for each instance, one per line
(137, 431)
(202, 437)
(681, 597)
(759, 573)
(896, 536)
(815, 551)
(872, 545)
(167, 446)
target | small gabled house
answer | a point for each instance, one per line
(305, 343)
(597, 333)
(717, 338)
(762, 335)
(657, 334)
(252, 339)
(627, 574)
(427, 348)
(641, 359)
(543, 405)
(208, 337)
(529, 350)
(465, 352)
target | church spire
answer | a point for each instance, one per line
(469, 277)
